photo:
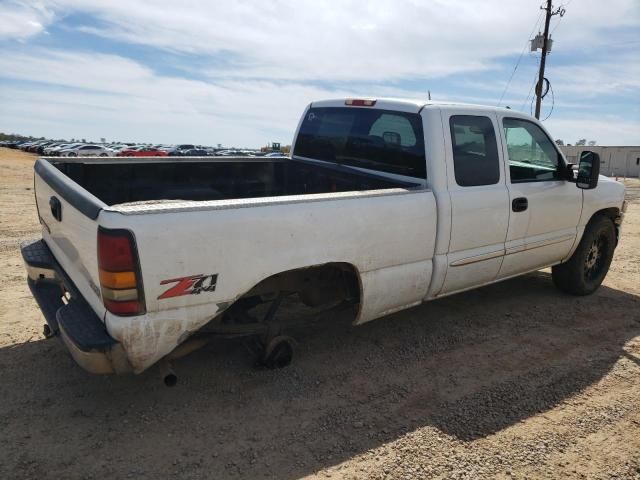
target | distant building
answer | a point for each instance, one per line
(614, 161)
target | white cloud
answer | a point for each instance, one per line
(20, 20)
(376, 40)
(270, 58)
(97, 96)
(610, 130)
(602, 77)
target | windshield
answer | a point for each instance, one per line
(384, 140)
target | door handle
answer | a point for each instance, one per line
(56, 208)
(519, 204)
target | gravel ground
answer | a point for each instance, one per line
(514, 380)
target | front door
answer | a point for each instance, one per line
(545, 209)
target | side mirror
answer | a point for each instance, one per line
(588, 170)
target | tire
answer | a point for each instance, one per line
(72, 154)
(583, 273)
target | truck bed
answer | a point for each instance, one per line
(296, 214)
(121, 181)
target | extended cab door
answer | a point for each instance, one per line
(479, 198)
(545, 208)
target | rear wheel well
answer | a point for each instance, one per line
(315, 285)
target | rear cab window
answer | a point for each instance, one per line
(384, 140)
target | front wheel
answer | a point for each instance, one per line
(583, 273)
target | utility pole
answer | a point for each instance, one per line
(545, 47)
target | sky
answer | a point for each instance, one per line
(239, 73)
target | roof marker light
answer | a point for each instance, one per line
(353, 102)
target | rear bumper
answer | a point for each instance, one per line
(68, 314)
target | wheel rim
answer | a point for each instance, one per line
(595, 259)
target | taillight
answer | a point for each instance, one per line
(353, 102)
(119, 271)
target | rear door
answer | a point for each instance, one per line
(479, 198)
(545, 208)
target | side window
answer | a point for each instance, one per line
(475, 150)
(532, 156)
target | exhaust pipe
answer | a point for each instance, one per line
(169, 377)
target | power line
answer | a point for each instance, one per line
(553, 95)
(556, 26)
(535, 79)
(561, 16)
(553, 102)
(506, 87)
(526, 100)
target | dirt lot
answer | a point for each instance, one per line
(513, 380)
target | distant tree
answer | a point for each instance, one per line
(581, 142)
(592, 143)
(559, 142)
(103, 140)
(84, 140)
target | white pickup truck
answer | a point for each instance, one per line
(384, 204)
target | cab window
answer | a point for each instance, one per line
(382, 140)
(475, 150)
(532, 155)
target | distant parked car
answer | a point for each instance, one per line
(55, 150)
(142, 152)
(116, 149)
(48, 150)
(85, 151)
(33, 148)
(197, 152)
(179, 150)
(227, 153)
(40, 149)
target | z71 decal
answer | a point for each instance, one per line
(192, 285)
